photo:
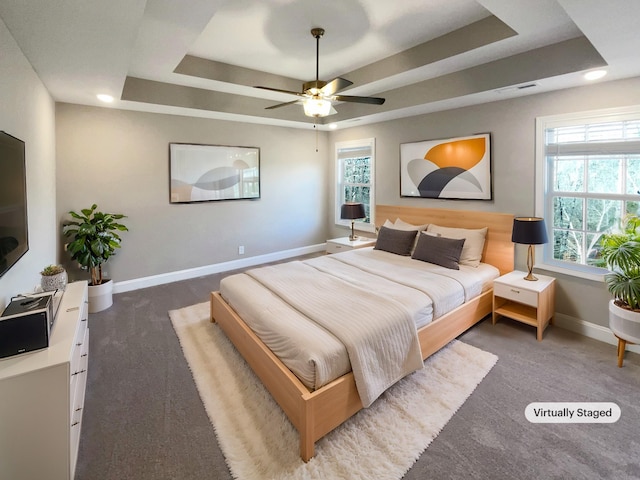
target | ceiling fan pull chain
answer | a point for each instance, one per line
(315, 127)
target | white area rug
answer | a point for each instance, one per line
(381, 442)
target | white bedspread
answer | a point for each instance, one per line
(310, 351)
(370, 326)
(447, 288)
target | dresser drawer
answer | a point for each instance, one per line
(516, 294)
(77, 404)
(79, 359)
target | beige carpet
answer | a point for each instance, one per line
(380, 442)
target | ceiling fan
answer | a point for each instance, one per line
(318, 94)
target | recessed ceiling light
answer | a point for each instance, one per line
(333, 126)
(595, 74)
(103, 97)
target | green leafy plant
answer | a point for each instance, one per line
(51, 270)
(621, 253)
(94, 239)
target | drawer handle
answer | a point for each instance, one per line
(83, 320)
(514, 290)
(79, 344)
(78, 372)
(78, 409)
(74, 424)
(84, 355)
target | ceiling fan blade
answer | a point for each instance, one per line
(299, 94)
(282, 105)
(335, 85)
(354, 99)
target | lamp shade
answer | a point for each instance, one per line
(529, 231)
(352, 211)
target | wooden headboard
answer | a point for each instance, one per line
(498, 247)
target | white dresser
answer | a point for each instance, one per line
(42, 397)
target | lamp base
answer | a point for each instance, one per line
(530, 260)
(353, 237)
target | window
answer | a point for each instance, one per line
(588, 177)
(355, 179)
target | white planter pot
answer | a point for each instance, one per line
(625, 324)
(100, 296)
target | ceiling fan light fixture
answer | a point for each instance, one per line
(316, 107)
(318, 94)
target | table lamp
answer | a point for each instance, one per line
(529, 231)
(352, 211)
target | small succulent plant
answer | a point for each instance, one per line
(51, 270)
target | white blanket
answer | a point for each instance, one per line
(447, 288)
(378, 333)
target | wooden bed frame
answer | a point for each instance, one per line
(316, 413)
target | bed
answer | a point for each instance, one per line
(315, 410)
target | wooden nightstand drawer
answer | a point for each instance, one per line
(530, 302)
(516, 294)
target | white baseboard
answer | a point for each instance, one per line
(144, 282)
(591, 330)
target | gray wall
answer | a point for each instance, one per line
(512, 127)
(27, 112)
(120, 160)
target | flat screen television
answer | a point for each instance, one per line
(14, 236)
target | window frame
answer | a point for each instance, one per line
(543, 201)
(365, 143)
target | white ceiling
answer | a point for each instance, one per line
(203, 57)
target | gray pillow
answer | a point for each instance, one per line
(439, 250)
(395, 241)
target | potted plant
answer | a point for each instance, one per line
(621, 253)
(54, 277)
(94, 239)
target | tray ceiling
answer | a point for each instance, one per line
(203, 58)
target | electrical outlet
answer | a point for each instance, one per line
(241, 250)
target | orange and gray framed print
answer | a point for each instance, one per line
(204, 173)
(455, 168)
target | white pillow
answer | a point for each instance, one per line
(402, 225)
(473, 245)
(388, 223)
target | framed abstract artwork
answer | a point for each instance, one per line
(204, 173)
(454, 168)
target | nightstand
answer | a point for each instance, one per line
(530, 302)
(343, 244)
